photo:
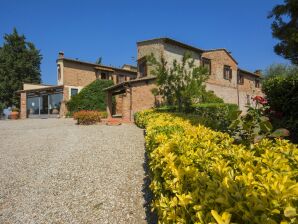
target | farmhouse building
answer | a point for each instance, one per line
(39, 100)
(133, 85)
(226, 80)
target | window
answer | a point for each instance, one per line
(206, 63)
(240, 79)
(73, 91)
(103, 75)
(142, 68)
(59, 72)
(247, 99)
(257, 83)
(227, 72)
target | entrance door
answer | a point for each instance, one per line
(44, 104)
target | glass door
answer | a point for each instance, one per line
(44, 104)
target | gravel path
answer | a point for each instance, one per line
(53, 171)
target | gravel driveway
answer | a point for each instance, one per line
(53, 171)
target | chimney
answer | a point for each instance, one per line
(258, 72)
(60, 55)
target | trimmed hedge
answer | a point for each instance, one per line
(217, 116)
(92, 97)
(200, 176)
(86, 117)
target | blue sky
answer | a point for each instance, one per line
(89, 29)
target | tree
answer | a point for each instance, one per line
(91, 97)
(19, 63)
(285, 28)
(99, 61)
(280, 70)
(182, 82)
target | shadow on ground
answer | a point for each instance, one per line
(151, 217)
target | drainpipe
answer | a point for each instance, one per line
(238, 88)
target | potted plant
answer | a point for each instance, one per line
(14, 114)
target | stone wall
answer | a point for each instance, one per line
(23, 112)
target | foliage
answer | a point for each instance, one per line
(255, 125)
(92, 97)
(282, 94)
(99, 61)
(285, 28)
(15, 109)
(283, 70)
(217, 116)
(181, 82)
(200, 176)
(19, 63)
(2, 106)
(103, 114)
(210, 97)
(87, 117)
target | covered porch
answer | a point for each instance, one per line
(127, 98)
(42, 102)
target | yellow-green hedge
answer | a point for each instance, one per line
(200, 176)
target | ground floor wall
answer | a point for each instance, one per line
(228, 94)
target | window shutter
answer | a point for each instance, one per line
(230, 74)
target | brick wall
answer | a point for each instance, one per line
(75, 74)
(23, 114)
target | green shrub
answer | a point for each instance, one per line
(201, 176)
(217, 116)
(210, 97)
(282, 95)
(92, 97)
(86, 117)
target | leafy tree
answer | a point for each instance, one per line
(99, 61)
(181, 83)
(281, 90)
(280, 70)
(19, 63)
(285, 28)
(92, 97)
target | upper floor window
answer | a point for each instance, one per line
(240, 79)
(207, 64)
(59, 72)
(142, 65)
(73, 91)
(227, 72)
(257, 83)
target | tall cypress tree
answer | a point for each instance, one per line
(19, 62)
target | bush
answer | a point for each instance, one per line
(201, 176)
(86, 117)
(210, 97)
(282, 95)
(217, 116)
(92, 97)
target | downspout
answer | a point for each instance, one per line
(238, 98)
(130, 106)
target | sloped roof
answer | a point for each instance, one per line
(171, 41)
(248, 72)
(222, 49)
(97, 66)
